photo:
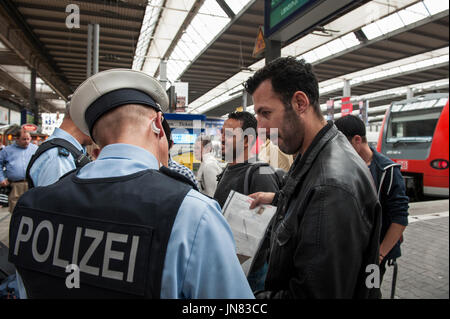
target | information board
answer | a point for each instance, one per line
(287, 19)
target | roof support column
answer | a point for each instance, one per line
(163, 73)
(33, 104)
(96, 38)
(244, 101)
(89, 52)
(347, 89)
(409, 93)
(272, 50)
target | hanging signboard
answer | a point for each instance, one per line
(182, 94)
(286, 19)
(4, 115)
(346, 106)
(26, 117)
(29, 127)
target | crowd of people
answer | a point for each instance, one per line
(139, 224)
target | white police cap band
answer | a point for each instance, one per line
(94, 92)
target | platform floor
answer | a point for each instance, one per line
(423, 269)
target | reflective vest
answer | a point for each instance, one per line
(110, 233)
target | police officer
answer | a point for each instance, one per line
(62, 152)
(129, 228)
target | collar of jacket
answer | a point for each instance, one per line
(302, 164)
(382, 162)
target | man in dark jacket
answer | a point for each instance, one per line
(325, 235)
(390, 185)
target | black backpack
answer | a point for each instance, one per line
(278, 173)
(80, 158)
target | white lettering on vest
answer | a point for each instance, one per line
(76, 246)
(113, 254)
(26, 232)
(98, 236)
(36, 255)
(56, 260)
(132, 261)
(20, 235)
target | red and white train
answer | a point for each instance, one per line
(415, 134)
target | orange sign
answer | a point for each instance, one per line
(29, 127)
(260, 44)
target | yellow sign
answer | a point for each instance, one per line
(260, 44)
(239, 109)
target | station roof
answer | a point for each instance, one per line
(209, 43)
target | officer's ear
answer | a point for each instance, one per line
(157, 125)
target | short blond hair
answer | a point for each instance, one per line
(124, 120)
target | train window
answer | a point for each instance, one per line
(413, 126)
(396, 107)
(441, 102)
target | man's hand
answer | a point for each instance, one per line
(261, 198)
(4, 183)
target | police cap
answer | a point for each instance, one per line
(109, 89)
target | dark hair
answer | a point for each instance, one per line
(288, 75)
(167, 132)
(351, 125)
(19, 133)
(247, 120)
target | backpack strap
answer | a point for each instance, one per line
(81, 159)
(249, 172)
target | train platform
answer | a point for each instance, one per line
(423, 269)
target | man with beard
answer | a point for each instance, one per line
(238, 137)
(326, 230)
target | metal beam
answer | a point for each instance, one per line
(9, 58)
(82, 32)
(189, 17)
(36, 19)
(117, 3)
(86, 14)
(226, 8)
(11, 34)
(224, 30)
(58, 40)
(95, 46)
(22, 92)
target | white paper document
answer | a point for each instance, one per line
(248, 226)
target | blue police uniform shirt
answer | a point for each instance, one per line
(15, 159)
(51, 165)
(201, 259)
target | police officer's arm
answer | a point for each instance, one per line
(328, 246)
(396, 206)
(213, 269)
(49, 167)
